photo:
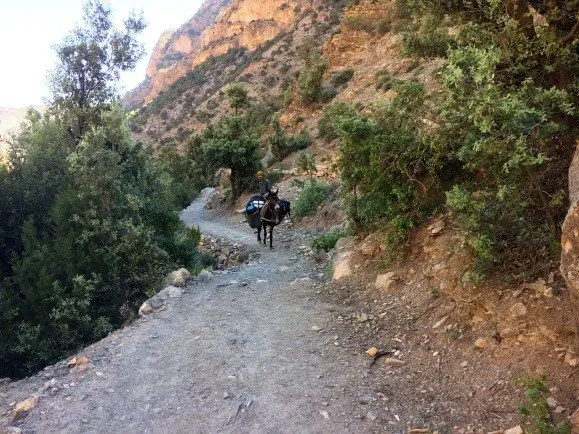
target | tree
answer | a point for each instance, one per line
(89, 62)
(231, 144)
(237, 95)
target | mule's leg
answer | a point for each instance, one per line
(271, 237)
(264, 234)
(259, 234)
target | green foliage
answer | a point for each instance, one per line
(237, 95)
(310, 79)
(89, 60)
(494, 144)
(342, 77)
(385, 163)
(327, 241)
(307, 162)
(536, 412)
(282, 145)
(232, 144)
(331, 115)
(312, 195)
(431, 39)
(89, 222)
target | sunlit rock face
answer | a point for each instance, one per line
(217, 27)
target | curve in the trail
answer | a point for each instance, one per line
(197, 216)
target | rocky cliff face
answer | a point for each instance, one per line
(219, 26)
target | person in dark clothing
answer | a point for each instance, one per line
(264, 183)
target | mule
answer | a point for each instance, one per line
(269, 216)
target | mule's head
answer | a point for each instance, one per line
(273, 199)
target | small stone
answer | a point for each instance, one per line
(515, 430)
(559, 409)
(362, 318)
(325, 403)
(145, 309)
(372, 351)
(480, 343)
(464, 364)
(366, 399)
(385, 281)
(370, 416)
(518, 310)
(316, 329)
(440, 322)
(394, 362)
(225, 395)
(552, 402)
(325, 414)
(11, 430)
(571, 359)
(205, 275)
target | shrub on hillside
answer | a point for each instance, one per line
(310, 79)
(312, 195)
(327, 241)
(342, 77)
(282, 145)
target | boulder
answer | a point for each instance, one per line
(384, 281)
(514, 430)
(570, 243)
(205, 275)
(342, 266)
(179, 277)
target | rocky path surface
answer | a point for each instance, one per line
(250, 350)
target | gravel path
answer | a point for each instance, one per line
(236, 353)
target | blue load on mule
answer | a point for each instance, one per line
(254, 206)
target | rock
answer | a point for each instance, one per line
(179, 277)
(362, 318)
(11, 430)
(316, 329)
(552, 402)
(393, 361)
(559, 410)
(345, 243)
(366, 399)
(372, 352)
(225, 395)
(283, 269)
(342, 266)
(173, 292)
(570, 243)
(480, 343)
(384, 281)
(205, 275)
(370, 416)
(571, 359)
(515, 430)
(539, 286)
(4, 381)
(51, 384)
(518, 310)
(325, 414)
(574, 420)
(464, 364)
(437, 227)
(439, 322)
(24, 406)
(145, 309)
(78, 361)
(371, 245)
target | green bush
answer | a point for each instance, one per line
(327, 241)
(307, 162)
(282, 145)
(327, 93)
(367, 23)
(331, 114)
(537, 413)
(431, 40)
(342, 77)
(312, 195)
(310, 79)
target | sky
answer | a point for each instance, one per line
(29, 29)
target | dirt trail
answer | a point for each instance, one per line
(234, 353)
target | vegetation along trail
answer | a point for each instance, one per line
(237, 352)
